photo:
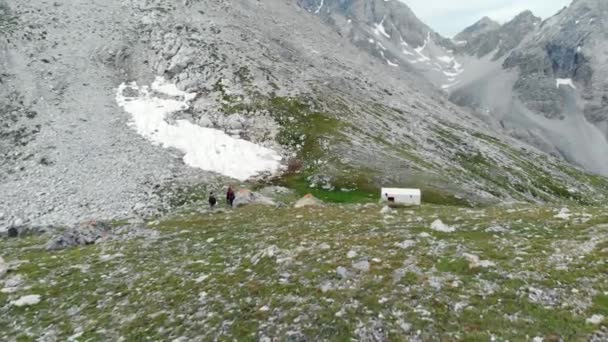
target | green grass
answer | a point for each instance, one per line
(360, 194)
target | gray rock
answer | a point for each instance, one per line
(362, 266)
(3, 267)
(235, 121)
(386, 210)
(85, 234)
(204, 121)
(342, 272)
(245, 197)
(308, 201)
(14, 281)
(17, 222)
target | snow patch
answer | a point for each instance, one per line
(564, 81)
(449, 85)
(204, 148)
(380, 30)
(391, 63)
(320, 6)
(423, 57)
(446, 59)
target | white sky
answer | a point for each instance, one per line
(448, 17)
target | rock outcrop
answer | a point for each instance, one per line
(308, 201)
(247, 197)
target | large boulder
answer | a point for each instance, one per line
(308, 201)
(245, 197)
(85, 234)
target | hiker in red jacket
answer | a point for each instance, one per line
(230, 196)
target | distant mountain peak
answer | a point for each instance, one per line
(526, 15)
(482, 26)
(487, 21)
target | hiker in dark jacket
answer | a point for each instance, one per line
(212, 200)
(230, 196)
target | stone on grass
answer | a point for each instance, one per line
(308, 201)
(342, 272)
(326, 286)
(3, 268)
(324, 246)
(406, 327)
(362, 266)
(26, 301)
(14, 281)
(386, 210)
(563, 214)
(405, 244)
(595, 319)
(475, 262)
(439, 226)
(110, 257)
(351, 254)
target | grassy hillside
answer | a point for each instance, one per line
(332, 273)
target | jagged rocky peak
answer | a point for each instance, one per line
(484, 25)
(487, 36)
(394, 20)
(560, 87)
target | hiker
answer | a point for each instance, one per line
(212, 200)
(230, 196)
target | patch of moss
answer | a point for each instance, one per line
(359, 192)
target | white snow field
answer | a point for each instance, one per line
(564, 82)
(205, 148)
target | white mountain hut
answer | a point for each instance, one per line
(401, 196)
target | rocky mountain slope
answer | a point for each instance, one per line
(343, 120)
(544, 83)
(488, 37)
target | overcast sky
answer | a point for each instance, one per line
(449, 17)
